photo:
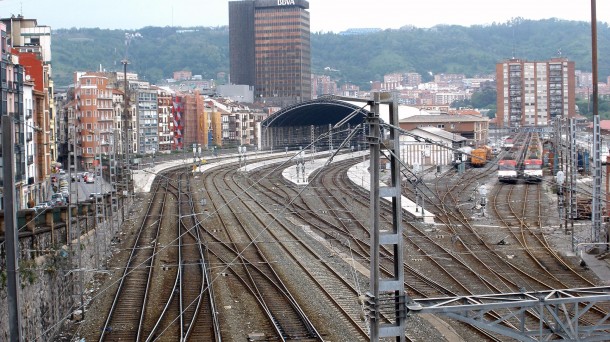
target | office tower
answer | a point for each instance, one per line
(269, 42)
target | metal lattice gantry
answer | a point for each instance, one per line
(558, 314)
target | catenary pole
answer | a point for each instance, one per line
(11, 232)
(597, 165)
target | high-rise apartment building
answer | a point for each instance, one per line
(269, 42)
(94, 118)
(534, 93)
(147, 125)
(164, 108)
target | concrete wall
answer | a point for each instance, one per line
(48, 258)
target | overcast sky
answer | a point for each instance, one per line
(326, 15)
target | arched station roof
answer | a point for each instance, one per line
(319, 112)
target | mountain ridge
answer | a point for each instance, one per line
(357, 59)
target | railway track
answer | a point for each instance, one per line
(245, 258)
(445, 260)
(188, 312)
(337, 221)
(125, 318)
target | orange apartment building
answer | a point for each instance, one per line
(94, 118)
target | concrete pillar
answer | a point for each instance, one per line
(63, 214)
(48, 218)
(30, 220)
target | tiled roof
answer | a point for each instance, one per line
(442, 133)
(443, 118)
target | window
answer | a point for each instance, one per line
(89, 150)
(89, 138)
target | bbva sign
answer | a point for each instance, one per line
(285, 2)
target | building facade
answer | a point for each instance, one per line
(535, 93)
(147, 126)
(94, 118)
(473, 128)
(270, 49)
(26, 94)
(164, 108)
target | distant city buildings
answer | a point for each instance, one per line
(534, 93)
(182, 75)
(269, 45)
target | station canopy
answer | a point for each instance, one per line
(319, 112)
(308, 123)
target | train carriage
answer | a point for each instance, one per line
(532, 170)
(478, 157)
(507, 171)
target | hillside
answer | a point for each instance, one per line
(357, 58)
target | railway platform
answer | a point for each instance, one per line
(598, 263)
(358, 173)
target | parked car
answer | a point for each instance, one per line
(41, 206)
(58, 199)
(90, 178)
(95, 195)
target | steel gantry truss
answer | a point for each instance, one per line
(559, 314)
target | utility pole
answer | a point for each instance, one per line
(573, 173)
(126, 169)
(597, 165)
(11, 231)
(313, 144)
(79, 233)
(330, 138)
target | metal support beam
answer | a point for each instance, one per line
(386, 295)
(573, 172)
(596, 215)
(555, 314)
(597, 234)
(11, 232)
